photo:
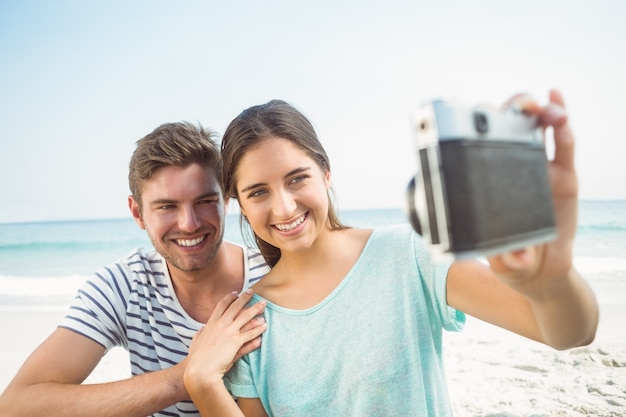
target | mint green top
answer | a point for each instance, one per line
(371, 348)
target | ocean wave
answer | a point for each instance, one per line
(14, 287)
(76, 245)
(602, 228)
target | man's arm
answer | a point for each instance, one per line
(49, 383)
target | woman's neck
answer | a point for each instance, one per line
(303, 279)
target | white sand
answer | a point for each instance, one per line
(23, 330)
(495, 373)
(491, 372)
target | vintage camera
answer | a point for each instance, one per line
(482, 183)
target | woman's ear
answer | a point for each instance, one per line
(327, 179)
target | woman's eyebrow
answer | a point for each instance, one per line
(252, 186)
(289, 174)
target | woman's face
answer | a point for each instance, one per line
(284, 194)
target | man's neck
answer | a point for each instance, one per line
(199, 292)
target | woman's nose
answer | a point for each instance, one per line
(284, 205)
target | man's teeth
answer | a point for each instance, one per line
(189, 242)
(290, 226)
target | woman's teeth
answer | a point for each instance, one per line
(292, 225)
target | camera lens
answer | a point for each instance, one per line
(481, 122)
(410, 207)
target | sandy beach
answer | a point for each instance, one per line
(29, 327)
(491, 372)
(495, 373)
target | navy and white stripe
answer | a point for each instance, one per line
(132, 304)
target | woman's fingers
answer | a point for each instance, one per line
(556, 116)
(231, 312)
(524, 102)
(231, 305)
(223, 305)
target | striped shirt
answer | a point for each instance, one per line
(132, 304)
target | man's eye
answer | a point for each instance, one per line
(210, 201)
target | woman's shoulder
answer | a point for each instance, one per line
(394, 231)
(387, 238)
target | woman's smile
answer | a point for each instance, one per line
(288, 227)
(283, 193)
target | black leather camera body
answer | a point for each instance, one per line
(482, 183)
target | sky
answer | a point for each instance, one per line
(81, 82)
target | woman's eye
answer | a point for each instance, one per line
(257, 193)
(299, 178)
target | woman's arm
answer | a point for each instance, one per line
(563, 316)
(536, 292)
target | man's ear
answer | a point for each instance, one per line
(133, 205)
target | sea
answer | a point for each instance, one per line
(42, 264)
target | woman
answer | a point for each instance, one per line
(355, 316)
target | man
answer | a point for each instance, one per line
(152, 302)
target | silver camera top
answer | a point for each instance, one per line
(482, 184)
(440, 120)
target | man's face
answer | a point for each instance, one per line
(183, 213)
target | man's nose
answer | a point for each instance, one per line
(188, 220)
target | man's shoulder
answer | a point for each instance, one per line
(138, 262)
(252, 257)
(149, 255)
(255, 266)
